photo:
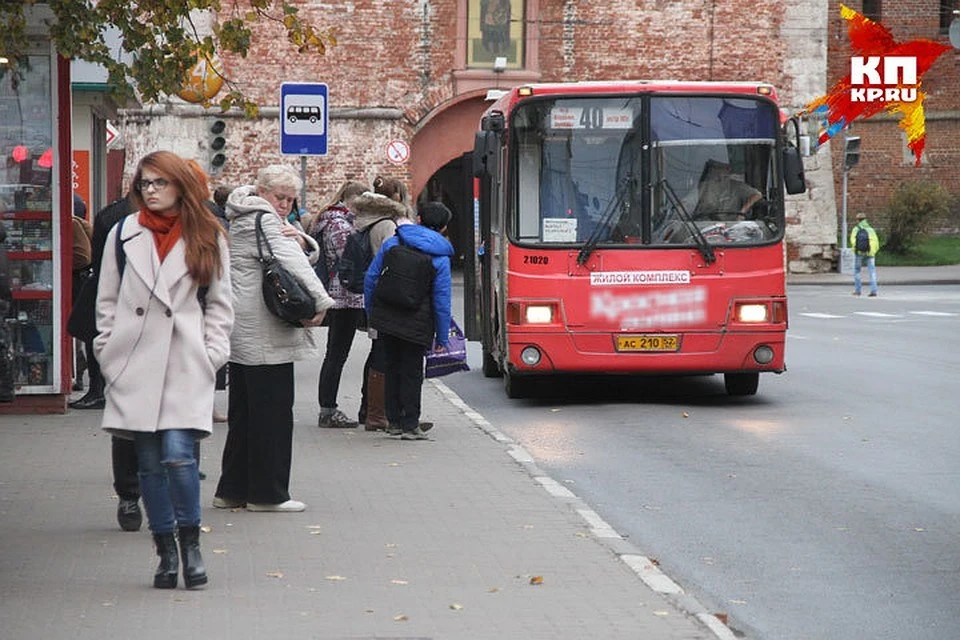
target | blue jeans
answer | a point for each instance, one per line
(858, 262)
(169, 481)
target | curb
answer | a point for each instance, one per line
(642, 566)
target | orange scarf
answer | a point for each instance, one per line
(166, 230)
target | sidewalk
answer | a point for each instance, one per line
(885, 276)
(434, 539)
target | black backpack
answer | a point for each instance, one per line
(357, 255)
(406, 277)
(862, 244)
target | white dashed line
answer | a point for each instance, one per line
(877, 314)
(936, 314)
(824, 316)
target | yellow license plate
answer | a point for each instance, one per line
(648, 343)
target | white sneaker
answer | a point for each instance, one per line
(288, 506)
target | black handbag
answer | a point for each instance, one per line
(283, 294)
(82, 323)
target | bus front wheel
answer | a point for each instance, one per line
(741, 384)
(491, 368)
(515, 386)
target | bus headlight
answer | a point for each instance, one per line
(752, 313)
(539, 314)
(530, 356)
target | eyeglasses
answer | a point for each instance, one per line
(159, 184)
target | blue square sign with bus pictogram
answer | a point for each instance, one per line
(303, 118)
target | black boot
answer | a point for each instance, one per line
(194, 573)
(166, 575)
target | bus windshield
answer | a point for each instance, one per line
(653, 170)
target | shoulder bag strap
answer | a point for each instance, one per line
(261, 234)
(121, 254)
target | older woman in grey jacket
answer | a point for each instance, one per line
(258, 450)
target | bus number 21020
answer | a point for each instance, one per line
(536, 259)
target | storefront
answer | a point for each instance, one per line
(35, 209)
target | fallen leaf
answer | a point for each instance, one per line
(493, 589)
(391, 545)
(661, 613)
(581, 534)
(722, 617)
(536, 580)
(554, 410)
(335, 578)
(654, 562)
(108, 604)
(316, 533)
(399, 582)
(526, 526)
(400, 618)
(737, 601)
(456, 607)
(219, 550)
(314, 526)
(684, 415)
(919, 529)
(206, 529)
(275, 574)
(394, 464)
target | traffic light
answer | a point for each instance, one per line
(851, 152)
(217, 145)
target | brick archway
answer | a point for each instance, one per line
(446, 133)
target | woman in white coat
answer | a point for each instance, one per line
(164, 313)
(259, 448)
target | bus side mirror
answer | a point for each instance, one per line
(792, 161)
(484, 151)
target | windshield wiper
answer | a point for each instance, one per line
(706, 249)
(605, 219)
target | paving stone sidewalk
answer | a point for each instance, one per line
(436, 539)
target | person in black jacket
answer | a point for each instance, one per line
(409, 312)
(124, 456)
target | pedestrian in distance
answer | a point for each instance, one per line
(259, 448)
(865, 245)
(81, 259)
(330, 229)
(407, 293)
(164, 316)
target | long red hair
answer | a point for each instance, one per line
(199, 226)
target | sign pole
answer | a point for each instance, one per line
(303, 182)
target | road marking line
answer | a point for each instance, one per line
(877, 314)
(938, 314)
(598, 526)
(651, 575)
(719, 629)
(821, 315)
(554, 488)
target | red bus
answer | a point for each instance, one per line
(634, 228)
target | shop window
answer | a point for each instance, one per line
(495, 29)
(872, 9)
(26, 212)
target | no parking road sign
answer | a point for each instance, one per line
(303, 118)
(398, 151)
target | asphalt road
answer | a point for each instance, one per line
(824, 507)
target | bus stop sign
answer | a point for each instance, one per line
(303, 118)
